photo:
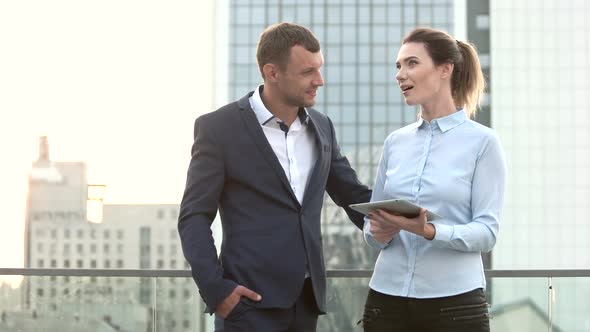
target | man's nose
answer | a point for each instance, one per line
(318, 80)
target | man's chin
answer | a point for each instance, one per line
(302, 102)
(309, 103)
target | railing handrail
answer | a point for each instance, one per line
(333, 273)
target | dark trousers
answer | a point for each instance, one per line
(301, 317)
(467, 312)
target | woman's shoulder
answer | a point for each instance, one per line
(476, 128)
(483, 136)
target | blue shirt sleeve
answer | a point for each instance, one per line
(487, 199)
(377, 196)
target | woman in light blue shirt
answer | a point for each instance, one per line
(429, 275)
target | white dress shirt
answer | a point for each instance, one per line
(294, 146)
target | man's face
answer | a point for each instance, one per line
(299, 81)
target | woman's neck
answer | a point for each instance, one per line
(437, 109)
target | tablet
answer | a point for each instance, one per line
(397, 206)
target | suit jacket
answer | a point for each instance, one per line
(269, 240)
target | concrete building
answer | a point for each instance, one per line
(58, 235)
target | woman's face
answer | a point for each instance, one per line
(418, 77)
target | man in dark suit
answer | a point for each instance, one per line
(265, 162)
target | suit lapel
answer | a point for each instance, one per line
(255, 130)
(321, 145)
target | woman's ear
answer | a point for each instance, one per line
(446, 70)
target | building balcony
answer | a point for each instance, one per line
(167, 300)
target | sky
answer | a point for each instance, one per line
(116, 84)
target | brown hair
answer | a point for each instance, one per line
(276, 41)
(467, 82)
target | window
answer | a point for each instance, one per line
(80, 233)
(53, 263)
(79, 263)
(107, 264)
(160, 214)
(40, 233)
(482, 22)
(173, 264)
(107, 234)
(106, 248)
(66, 263)
(80, 248)
(93, 263)
(93, 234)
(40, 292)
(40, 263)
(120, 234)
(93, 248)
(119, 263)
(160, 264)
(120, 248)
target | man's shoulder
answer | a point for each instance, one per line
(221, 113)
(226, 112)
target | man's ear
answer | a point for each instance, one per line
(271, 72)
(446, 70)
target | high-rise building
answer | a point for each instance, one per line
(58, 235)
(360, 41)
(540, 60)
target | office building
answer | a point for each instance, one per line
(58, 235)
(540, 62)
(360, 41)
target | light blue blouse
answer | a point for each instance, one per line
(456, 168)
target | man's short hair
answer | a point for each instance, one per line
(275, 43)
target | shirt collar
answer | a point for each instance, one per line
(264, 115)
(448, 122)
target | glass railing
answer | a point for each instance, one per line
(167, 300)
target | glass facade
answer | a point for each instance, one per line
(360, 41)
(540, 60)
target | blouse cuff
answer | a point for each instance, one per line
(444, 233)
